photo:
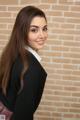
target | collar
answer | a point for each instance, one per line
(33, 52)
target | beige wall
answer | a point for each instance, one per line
(61, 55)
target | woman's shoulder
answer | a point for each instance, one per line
(17, 63)
(35, 65)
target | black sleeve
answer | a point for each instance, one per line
(29, 98)
(42, 79)
(25, 102)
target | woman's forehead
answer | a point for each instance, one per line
(37, 21)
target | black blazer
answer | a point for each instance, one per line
(26, 102)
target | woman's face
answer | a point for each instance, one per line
(37, 33)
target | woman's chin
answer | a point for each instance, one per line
(40, 47)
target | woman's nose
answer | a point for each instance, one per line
(41, 33)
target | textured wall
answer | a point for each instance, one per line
(61, 55)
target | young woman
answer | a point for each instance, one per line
(22, 78)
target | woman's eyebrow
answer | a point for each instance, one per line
(34, 26)
(37, 26)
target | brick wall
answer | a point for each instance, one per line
(61, 55)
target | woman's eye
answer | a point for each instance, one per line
(45, 29)
(34, 30)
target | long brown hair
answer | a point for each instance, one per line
(16, 44)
